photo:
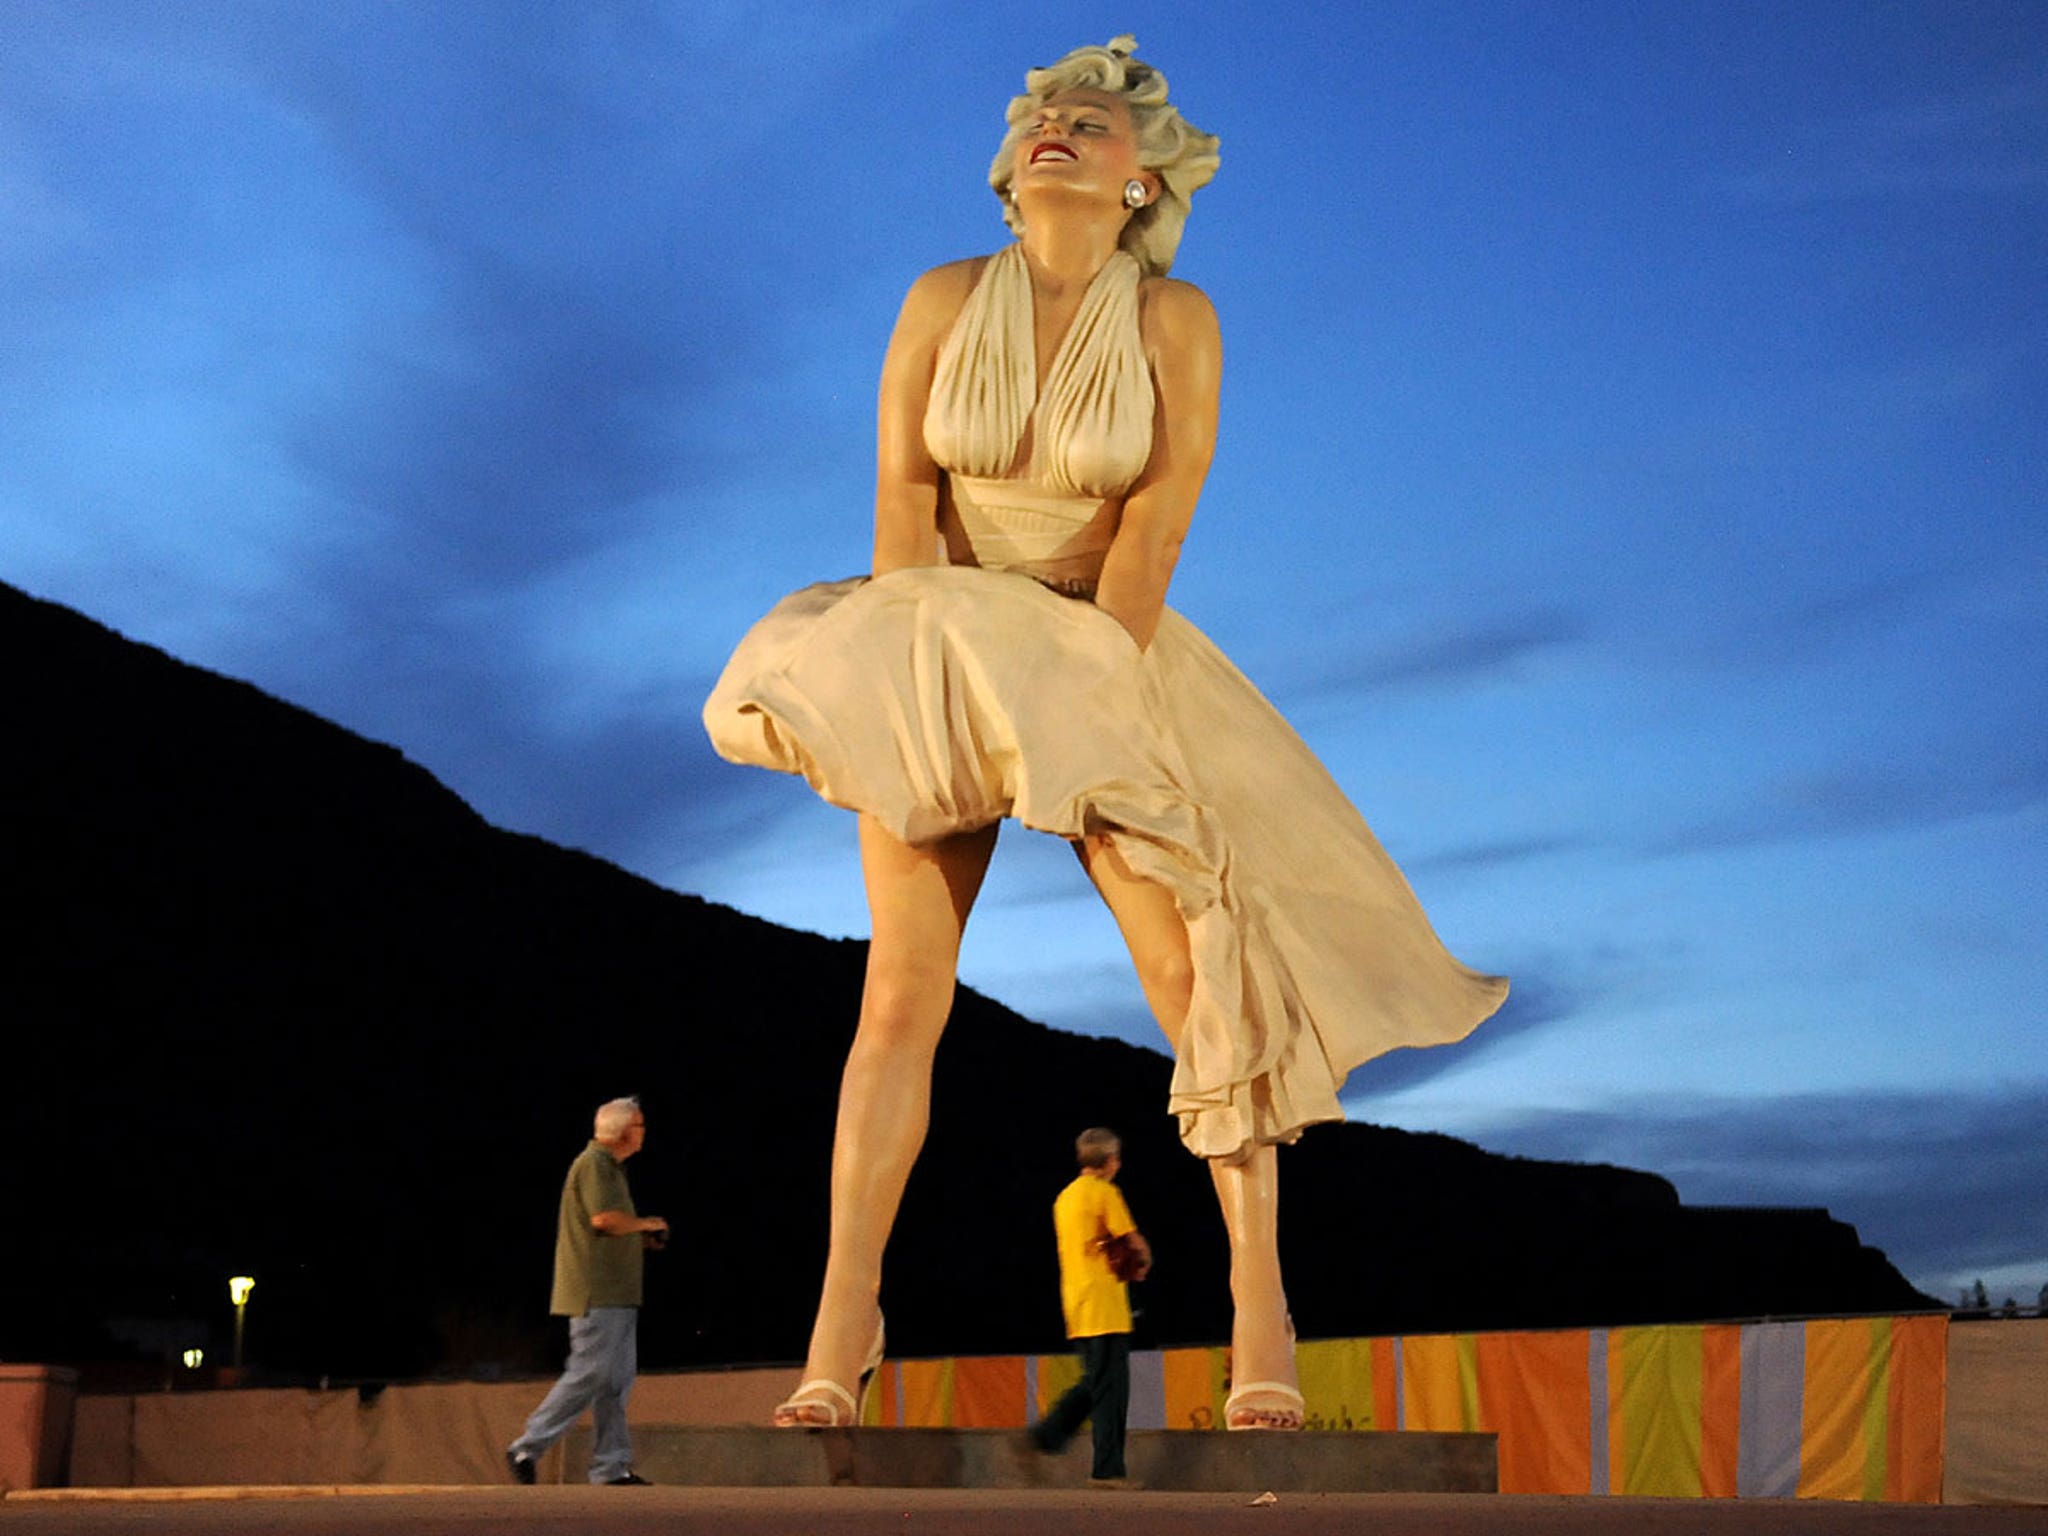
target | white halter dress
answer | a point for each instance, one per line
(941, 698)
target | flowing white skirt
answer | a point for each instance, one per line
(942, 698)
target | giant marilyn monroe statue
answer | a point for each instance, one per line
(1047, 419)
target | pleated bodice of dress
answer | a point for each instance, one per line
(939, 698)
(1036, 474)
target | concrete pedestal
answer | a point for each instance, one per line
(1164, 1460)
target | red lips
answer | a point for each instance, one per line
(1052, 147)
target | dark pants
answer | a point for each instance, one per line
(1102, 1395)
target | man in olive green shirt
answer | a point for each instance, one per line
(599, 1243)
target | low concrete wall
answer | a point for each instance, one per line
(453, 1432)
(1996, 1430)
(1162, 1460)
(35, 1424)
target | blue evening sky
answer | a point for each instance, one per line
(1631, 483)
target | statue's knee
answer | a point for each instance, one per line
(1169, 980)
(904, 1004)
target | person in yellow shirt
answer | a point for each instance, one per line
(1097, 1239)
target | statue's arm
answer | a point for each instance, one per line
(906, 478)
(1185, 347)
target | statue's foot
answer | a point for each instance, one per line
(1265, 1393)
(822, 1403)
(1264, 1405)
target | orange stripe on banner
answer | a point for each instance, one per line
(1832, 1453)
(1535, 1395)
(1439, 1381)
(927, 1393)
(1916, 1398)
(1720, 1409)
(1385, 1404)
(988, 1392)
(1194, 1387)
(883, 1405)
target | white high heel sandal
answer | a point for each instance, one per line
(822, 1403)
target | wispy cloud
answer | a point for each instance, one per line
(1498, 855)
(1454, 654)
(1861, 798)
(1983, 143)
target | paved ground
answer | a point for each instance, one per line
(937, 1512)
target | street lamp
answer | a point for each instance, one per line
(238, 1292)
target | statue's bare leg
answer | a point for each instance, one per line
(918, 901)
(1248, 1191)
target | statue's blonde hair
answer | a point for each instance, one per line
(1180, 154)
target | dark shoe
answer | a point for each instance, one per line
(629, 1480)
(522, 1468)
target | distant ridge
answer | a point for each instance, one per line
(280, 1003)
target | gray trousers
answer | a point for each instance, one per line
(604, 1352)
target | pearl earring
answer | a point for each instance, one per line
(1134, 193)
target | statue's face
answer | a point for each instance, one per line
(1080, 142)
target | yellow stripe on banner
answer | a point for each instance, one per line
(1440, 1382)
(1655, 1380)
(880, 1406)
(1877, 1410)
(1834, 1411)
(1337, 1381)
(1056, 1373)
(927, 1394)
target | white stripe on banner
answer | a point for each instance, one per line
(1148, 1390)
(1596, 1391)
(1031, 1389)
(1773, 1410)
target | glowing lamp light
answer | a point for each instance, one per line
(194, 1358)
(238, 1292)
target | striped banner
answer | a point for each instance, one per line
(1828, 1409)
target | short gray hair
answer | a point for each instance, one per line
(614, 1117)
(1095, 1146)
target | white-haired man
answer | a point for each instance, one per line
(599, 1243)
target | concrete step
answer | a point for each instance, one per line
(1189, 1461)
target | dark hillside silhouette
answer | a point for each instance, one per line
(279, 1003)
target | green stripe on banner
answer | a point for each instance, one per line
(1662, 1375)
(1877, 1410)
(1468, 1379)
